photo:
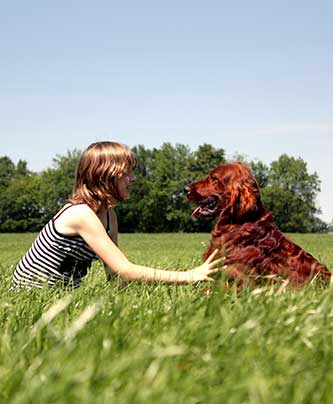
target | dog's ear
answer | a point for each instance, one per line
(249, 198)
(231, 201)
(242, 195)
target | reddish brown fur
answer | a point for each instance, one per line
(244, 232)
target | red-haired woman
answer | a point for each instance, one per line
(86, 229)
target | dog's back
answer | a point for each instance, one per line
(260, 249)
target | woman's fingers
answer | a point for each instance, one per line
(211, 260)
(212, 255)
(213, 265)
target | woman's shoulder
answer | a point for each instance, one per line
(71, 217)
(81, 212)
(70, 209)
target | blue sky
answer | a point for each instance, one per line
(252, 77)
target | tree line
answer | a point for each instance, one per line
(157, 203)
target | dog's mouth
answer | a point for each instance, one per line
(207, 207)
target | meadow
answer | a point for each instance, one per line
(110, 342)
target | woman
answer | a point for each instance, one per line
(86, 229)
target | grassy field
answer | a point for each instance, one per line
(112, 343)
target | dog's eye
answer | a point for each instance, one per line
(214, 179)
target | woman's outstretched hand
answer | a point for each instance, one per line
(208, 268)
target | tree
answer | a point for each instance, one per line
(157, 201)
(28, 199)
(57, 182)
(260, 172)
(133, 214)
(20, 208)
(330, 226)
(290, 194)
(204, 159)
(7, 171)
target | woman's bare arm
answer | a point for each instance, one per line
(84, 222)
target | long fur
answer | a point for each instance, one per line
(245, 233)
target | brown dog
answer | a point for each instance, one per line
(244, 232)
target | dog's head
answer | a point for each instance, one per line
(229, 192)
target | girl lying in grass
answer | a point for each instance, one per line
(86, 229)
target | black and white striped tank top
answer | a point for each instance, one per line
(54, 259)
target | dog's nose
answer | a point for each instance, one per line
(187, 189)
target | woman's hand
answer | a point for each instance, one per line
(208, 268)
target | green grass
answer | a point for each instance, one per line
(139, 343)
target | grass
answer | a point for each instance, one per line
(139, 343)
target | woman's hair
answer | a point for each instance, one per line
(100, 164)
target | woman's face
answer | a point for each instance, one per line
(123, 184)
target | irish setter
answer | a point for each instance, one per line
(244, 231)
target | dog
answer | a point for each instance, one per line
(244, 232)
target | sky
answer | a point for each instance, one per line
(252, 77)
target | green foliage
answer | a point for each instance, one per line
(29, 199)
(140, 343)
(7, 171)
(290, 194)
(20, 209)
(330, 226)
(157, 202)
(57, 183)
(203, 160)
(260, 172)
(19, 206)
